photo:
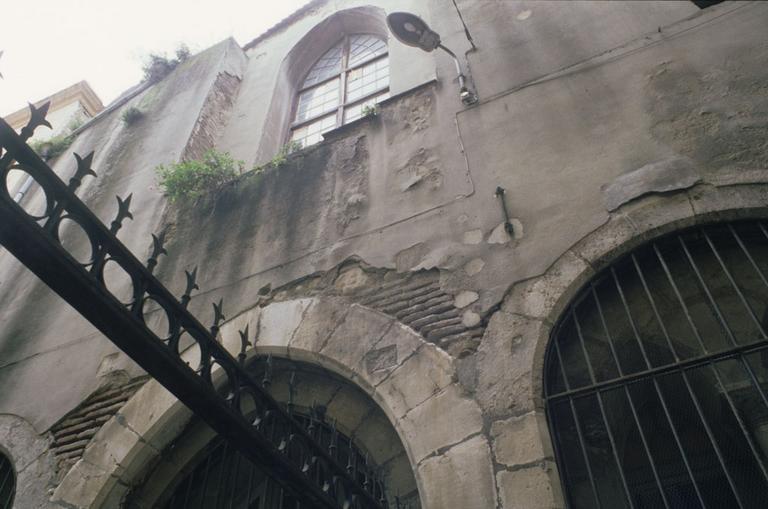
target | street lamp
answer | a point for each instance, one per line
(413, 31)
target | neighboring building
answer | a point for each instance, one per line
(69, 109)
(605, 346)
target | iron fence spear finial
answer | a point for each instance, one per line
(244, 344)
(267, 380)
(218, 316)
(36, 119)
(83, 169)
(191, 286)
(123, 212)
(157, 250)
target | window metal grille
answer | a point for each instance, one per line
(656, 377)
(223, 477)
(7, 483)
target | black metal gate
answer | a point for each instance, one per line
(657, 374)
(304, 467)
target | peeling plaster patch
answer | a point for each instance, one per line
(352, 181)
(474, 266)
(465, 298)
(462, 219)
(524, 15)
(419, 171)
(470, 319)
(661, 176)
(350, 280)
(473, 236)
(704, 115)
(419, 110)
(410, 257)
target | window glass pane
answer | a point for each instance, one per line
(364, 47)
(313, 132)
(356, 110)
(368, 79)
(328, 65)
(318, 100)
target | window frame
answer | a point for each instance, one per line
(343, 76)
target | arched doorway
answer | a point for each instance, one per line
(656, 375)
(336, 413)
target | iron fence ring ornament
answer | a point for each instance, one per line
(127, 328)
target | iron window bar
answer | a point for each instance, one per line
(234, 478)
(618, 382)
(294, 459)
(7, 482)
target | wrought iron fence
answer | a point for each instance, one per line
(272, 438)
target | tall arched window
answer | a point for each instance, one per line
(657, 376)
(7, 483)
(349, 77)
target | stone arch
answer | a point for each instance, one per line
(511, 357)
(413, 382)
(31, 458)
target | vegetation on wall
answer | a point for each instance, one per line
(158, 66)
(52, 147)
(370, 110)
(282, 155)
(188, 180)
(132, 115)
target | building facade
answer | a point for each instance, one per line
(68, 109)
(555, 296)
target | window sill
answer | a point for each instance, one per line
(337, 132)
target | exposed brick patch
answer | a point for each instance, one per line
(75, 430)
(414, 298)
(212, 117)
(419, 302)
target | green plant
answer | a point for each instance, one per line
(370, 110)
(191, 179)
(52, 147)
(281, 157)
(157, 67)
(76, 123)
(132, 115)
(182, 53)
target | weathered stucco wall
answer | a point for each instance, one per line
(43, 339)
(604, 122)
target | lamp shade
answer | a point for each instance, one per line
(411, 30)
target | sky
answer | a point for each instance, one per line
(49, 45)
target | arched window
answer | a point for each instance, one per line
(340, 417)
(222, 477)
(657, 376)
(349, 77)
(7, 483)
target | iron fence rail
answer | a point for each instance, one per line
(305, 468)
